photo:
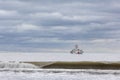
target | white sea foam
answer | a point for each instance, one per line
(16, 65)
(43, 74)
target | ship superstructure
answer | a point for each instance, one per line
(76, 50)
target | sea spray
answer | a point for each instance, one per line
(16, 65)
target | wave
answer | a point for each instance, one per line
(64, 71)
(78, 65)
(56, 76)
(16, 65)
(62, 65)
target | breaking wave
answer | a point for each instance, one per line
(16, 65)
(61, 74)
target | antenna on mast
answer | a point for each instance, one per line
(76, 46)
(76, 50)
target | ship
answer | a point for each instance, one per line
(76, 50)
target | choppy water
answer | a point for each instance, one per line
(58, 74)
(21, 71)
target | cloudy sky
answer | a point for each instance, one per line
(57, 25)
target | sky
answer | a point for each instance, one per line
(57, 25)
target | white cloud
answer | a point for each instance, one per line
(7, 13)
(50, 40)
(59, 28)
(104, 41)
(27, 27)
(47, 14)
(84, 18)
(58, 15)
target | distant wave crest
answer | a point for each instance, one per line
(16, 65)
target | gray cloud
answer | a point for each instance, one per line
(34, 25)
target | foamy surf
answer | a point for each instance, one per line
(16, 65)
(60, 74)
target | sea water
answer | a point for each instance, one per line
(59, 74)
(15, 71)
(26, 71)
(42, 57)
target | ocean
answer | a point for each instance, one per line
(11, 69)
(59, 57)
(59, 74)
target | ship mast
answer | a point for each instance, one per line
(76, 46)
